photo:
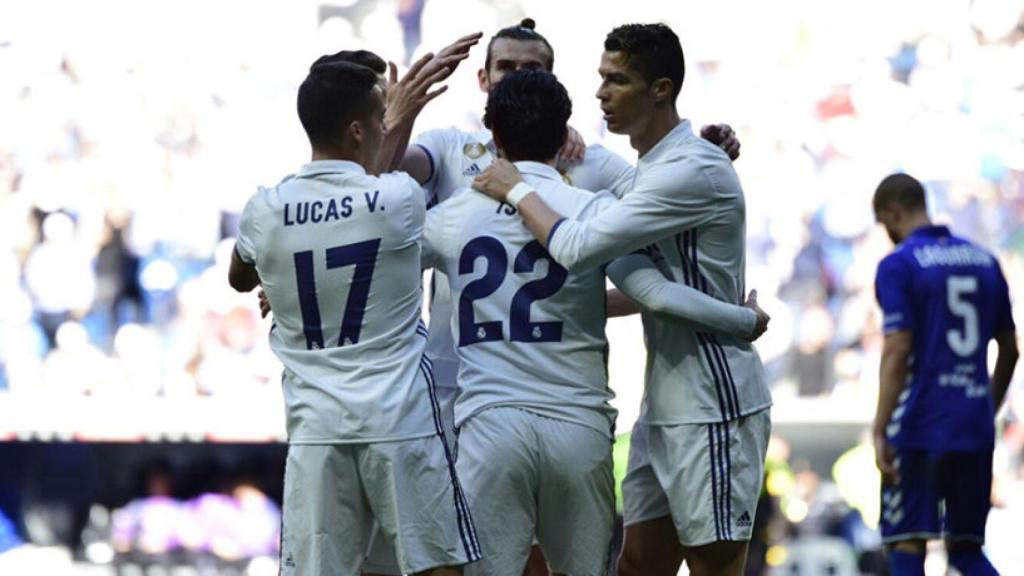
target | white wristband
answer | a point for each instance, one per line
(517, 193)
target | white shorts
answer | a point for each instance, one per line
(336, 495)
(531, 476)
(381, 558)
(707, 477)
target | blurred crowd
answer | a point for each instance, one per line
(127, 152)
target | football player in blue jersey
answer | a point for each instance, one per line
(943, 300)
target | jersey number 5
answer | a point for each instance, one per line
(361, 254)
(521, 329)
(966, 342)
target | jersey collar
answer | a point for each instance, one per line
(934, 231)
(320, 167)
(681, 132)
(538, 169)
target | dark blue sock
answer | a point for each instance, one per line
(972, 563)
(906, 563)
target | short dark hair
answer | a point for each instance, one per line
(900, 190)
(523, 31)
(653, 50)
(361, 57)
(332, 95)
(528, 111)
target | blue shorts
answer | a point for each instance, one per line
(938, 495)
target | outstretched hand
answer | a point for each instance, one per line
(723, 136)
(762, 317)
(408, 95)
(498, 179)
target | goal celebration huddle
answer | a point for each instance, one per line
(482, 443)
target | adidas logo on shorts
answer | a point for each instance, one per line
(744, 521)
(472, 170)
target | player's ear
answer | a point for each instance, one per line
(481, 78)
(355, 131)
(661, 90)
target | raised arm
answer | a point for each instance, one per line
(639, 278)
(407, 97)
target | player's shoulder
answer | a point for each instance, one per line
(568, 200)
(267, 199)
(454, 140)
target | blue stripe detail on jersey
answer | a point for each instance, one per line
(551, 233)
(723, 406)
(421, 329)
(684, 263)
(714, 483)
(433, 172)
(726, 372)
(731, 384)
(701, 283)
(467, 531)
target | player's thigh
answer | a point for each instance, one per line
(643, 497)
(576, 497)
(967, 494)
(911, 503)
(418, 505)
(723, 558)
(326, 519)
(651, 548)
(498, 467)
(712, 475)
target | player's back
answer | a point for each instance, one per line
(338, 255)
(952, 298)
(527, 332)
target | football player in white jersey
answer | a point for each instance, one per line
(533, 414)
(697, 452)
(337, 252)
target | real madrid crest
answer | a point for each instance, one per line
(474, 150)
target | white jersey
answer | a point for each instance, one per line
(338, 254)
(528, 334)
(456, 158)
(686, 200)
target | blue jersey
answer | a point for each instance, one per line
(952, 296)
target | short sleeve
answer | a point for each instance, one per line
(432, 243)
(892, 288)
(433, 143)
(410, 219)
(248, 229)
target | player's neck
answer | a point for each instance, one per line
(336, 155)
(660, 123)
(915, 222)
(550, 162)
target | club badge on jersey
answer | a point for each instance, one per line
(474, 150)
